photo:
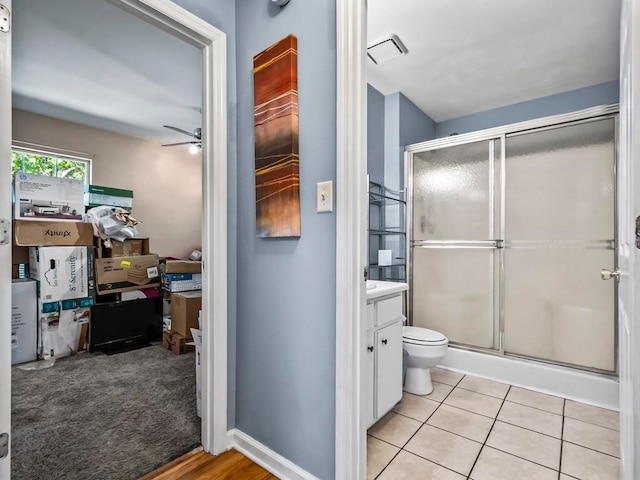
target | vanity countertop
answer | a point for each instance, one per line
(378, 288)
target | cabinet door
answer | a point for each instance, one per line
(369, 384)
(388, 343)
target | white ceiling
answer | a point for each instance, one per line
(468, 56)
(88, 61)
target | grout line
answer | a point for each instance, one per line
(521, 458)
(470, 411)
(488, 434)
(592, 449)
(536, 408)
(435, 463)
(390, 462)
(591, 423)
(530, 430)
(485, 394)
(564, 403)
(414, 433)
(431, 461)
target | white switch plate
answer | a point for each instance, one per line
(325, 196)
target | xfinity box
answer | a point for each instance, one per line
(24, 321)
(63, 273)
(41, 197)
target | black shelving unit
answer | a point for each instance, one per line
(387, 231)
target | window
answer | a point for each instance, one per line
(51, 164)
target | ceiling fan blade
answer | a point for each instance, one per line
(176, 129)
(180, 143)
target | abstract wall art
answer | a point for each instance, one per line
(275, 83)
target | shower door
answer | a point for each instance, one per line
(453, 242)
(560, 224)
(508, 236)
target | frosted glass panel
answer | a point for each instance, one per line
(560, 183)
(558, 232)
(557, 307)
(451, 193)
(452, 293)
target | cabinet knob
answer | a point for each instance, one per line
(385, 341)
(370, 348)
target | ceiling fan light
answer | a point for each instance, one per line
(193, 149)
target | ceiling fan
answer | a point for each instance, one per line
(196, 143)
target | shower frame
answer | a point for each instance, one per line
(501, 133)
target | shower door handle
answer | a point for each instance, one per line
(608, 274)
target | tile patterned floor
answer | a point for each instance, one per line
(471, 428)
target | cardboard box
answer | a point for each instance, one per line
(24, 321)
(184, 311)
(182, 266)
(62, 272)
(128, 248)
(19, 262)
(19, 255)
(122, 274)
(44, 233)
(63, 327)
(181, 282)
(41, 197)
(176, 342)
(96, 196)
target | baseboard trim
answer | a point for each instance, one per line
(266, 458)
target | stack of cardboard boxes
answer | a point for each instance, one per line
(182, 283)
(50, 312)
(60, 270)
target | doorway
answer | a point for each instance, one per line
(211, 42)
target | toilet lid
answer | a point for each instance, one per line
(418, 334)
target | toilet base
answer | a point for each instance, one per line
(418, 381)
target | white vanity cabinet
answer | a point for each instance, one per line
(383, 382)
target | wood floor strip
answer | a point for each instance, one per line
(199, 465)
(156, 474)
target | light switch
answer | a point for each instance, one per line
(325, 196)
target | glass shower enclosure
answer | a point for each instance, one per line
(509, 230)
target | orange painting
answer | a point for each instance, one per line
(275, 80)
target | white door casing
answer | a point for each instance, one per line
(5, 250)
(183, 24)
(351, 227)
(628, 211)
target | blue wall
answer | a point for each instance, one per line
(285, 354)
(221, 14)
(602, 94)
(415, 126)
(404, 124)
(375, 135)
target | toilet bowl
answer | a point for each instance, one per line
(426, 349)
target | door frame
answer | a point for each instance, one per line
(351, 227)
(628, 261)
(5, 250)
(351, 30)
(213, 43)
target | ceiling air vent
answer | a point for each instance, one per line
(386, 50)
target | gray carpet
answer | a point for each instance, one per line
(95, 416)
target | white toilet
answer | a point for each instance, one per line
(426, 349)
